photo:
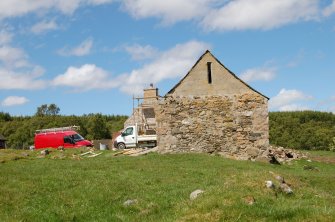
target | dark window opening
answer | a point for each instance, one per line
(128, 131)
(209, 72)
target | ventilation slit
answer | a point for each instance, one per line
(209, 72)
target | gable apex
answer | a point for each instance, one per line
(229, 73)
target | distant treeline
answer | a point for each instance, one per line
(308, 130)
(19, 131)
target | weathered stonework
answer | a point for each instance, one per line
(234, 126)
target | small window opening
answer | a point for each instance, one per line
(209, 72)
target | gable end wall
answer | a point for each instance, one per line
(234, 126)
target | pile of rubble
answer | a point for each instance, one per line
(277, 155)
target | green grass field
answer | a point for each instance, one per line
(60, 188)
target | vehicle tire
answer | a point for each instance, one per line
(121, 146)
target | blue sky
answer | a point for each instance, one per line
(91, 56)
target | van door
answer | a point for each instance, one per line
(68, 142)
(129, 137)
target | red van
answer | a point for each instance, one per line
(65, 137)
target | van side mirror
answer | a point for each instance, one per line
(123, 134)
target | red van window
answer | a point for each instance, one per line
(68, 139)
(77, 137)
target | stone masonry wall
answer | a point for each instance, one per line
(234, 126)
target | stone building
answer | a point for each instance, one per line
(212, 110)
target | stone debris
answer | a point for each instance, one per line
(278, 155)
(45, 152)
(194, 195)
(283, 186)
(280, 179)
(250, 200)
(286, 188)
(269, 184)
(129, 202)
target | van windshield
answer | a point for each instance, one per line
(77, 137)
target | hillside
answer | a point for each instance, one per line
(63, 187)
(307, 130)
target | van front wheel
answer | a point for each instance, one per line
(121, 146)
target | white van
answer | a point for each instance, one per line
(130, 138)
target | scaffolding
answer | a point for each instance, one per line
(144, 115)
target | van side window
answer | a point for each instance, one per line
(67, 139)
(128, 131)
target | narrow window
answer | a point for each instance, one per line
(209, 72)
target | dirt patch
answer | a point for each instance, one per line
(323, 159)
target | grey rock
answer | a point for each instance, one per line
(194, 195)
(128, 203)
(269, 184)
(286, 188)
(45, 152)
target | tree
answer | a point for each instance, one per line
(5, 116)
(53, 110)
(97, 127)
(47, 110)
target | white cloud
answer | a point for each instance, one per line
(170, 11)
(213, 15)
(258, 74)
(259, 14)
(216, 15)
(99, 2)
(5, 37)
(286, 100)
(166, 65)
(14, 8)
(82, 49)
(16, 72)
(12, 57)
(329, 10)
(173, 63)
(293, 107)
(14, 101)
(139, 52)
(86, 77)
(21, 80)
(44, 26)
